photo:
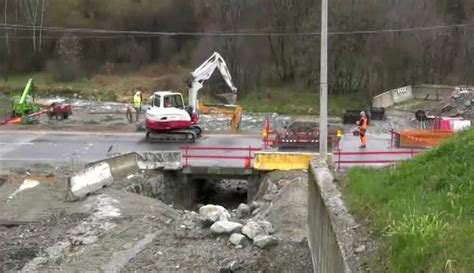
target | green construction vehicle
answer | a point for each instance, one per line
(24, 105)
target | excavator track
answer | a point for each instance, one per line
(197, 130)
(179, 136)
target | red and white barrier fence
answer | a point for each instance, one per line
(245, 154)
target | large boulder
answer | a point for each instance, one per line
(225, 227)
(263, 241)
(243, 210)
(255, 228)
(238, 239)
(213, 213)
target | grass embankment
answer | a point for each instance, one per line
(100, 87)
(424, 208)
(284, 100)
(289, 100)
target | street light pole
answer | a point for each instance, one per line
(323, 109)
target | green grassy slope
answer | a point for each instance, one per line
(424, 208)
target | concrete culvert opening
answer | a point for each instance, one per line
(187, 192)
(228, 193)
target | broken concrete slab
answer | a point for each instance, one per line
(124, 164)
(27, 184)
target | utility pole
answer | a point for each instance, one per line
(323, 109)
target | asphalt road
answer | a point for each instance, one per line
(375, 143)
(70, 148)
(64, 148)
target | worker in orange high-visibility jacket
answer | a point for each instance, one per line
(363, 124)
(339, 136)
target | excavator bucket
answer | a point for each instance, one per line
(229, 98)
(232, 111)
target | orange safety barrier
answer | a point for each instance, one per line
(424, 139)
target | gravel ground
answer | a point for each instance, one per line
(119, 231)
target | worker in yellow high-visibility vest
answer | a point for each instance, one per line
(137, 102)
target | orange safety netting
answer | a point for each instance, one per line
(423, 138)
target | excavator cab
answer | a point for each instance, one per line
(168, 100)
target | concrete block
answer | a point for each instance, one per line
(120, 165)
(383, 100)
(402, 94)
(89, 180)
(283, 161)
(168, 160)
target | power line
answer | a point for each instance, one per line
(81, 37)
(225, 33)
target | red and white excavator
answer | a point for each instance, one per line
(169, 120)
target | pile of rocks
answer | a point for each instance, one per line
(460, 104)
(241, 231)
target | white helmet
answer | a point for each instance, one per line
(362, 113)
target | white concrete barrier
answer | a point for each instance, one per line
(402, 94)
(102, 173)
(89, 180)
(383, 100)
(120, 165)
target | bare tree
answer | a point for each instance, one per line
(43, 11)
(33, 9)
(7, 44)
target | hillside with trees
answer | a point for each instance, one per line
(71, 39)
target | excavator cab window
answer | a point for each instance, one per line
(175, 101)
(156, 101)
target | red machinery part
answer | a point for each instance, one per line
(59, 110)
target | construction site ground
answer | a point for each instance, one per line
(119, 231)
(122, 229)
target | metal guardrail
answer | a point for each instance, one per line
(338, 153)
(248, 157)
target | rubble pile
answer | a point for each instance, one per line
(460, 104)
(241, 230)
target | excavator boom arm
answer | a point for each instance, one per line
(26, 91)
(204, 72)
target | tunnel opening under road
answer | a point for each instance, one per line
(185, 191)
(228, 193)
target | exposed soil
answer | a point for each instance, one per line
(117, 230)
(22, 243)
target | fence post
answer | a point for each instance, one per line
(248, 160)
(186, 155)
(338, 158)
(391, 138)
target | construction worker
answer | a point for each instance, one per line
(363, 123)
(137, 102)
